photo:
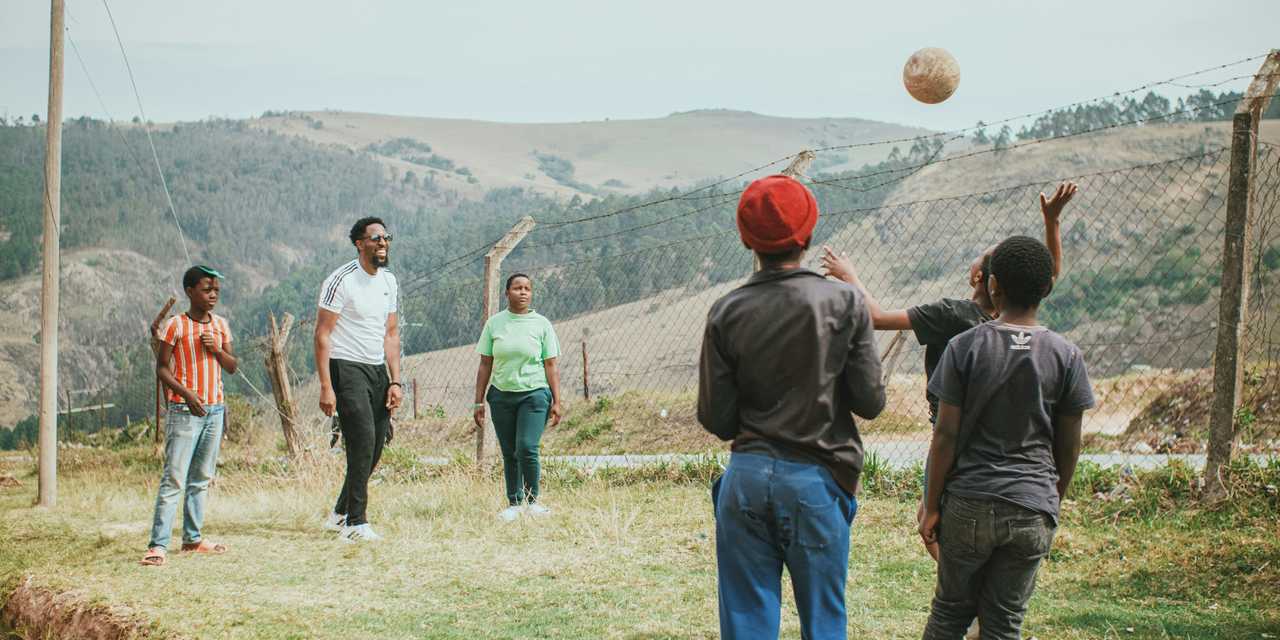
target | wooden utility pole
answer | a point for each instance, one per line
(50, 271)
(796, 169)
(492, 279)
(155, 352)
(1233, 305)
(277, 362)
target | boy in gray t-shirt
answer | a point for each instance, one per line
(1011, 398)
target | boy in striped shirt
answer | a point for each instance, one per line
(194, 349)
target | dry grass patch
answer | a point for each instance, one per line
(626, 554)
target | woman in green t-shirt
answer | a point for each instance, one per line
(517, 376)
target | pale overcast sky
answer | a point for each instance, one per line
(557, 61)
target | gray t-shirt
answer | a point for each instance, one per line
(935, 324)
(1010, 381)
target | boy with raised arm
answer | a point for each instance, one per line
(1011, 394)
(936, 323)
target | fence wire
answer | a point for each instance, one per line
(1138, 292)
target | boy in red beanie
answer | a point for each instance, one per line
(787, 358)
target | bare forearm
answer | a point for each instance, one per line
(482, 381)
(1066, 451)
(1053, 240)
(171, 382)
(1066, 471)
(227, 361)
(870, 300)
(840, 268)
(882, 319)
(392, 347)
(941, 458)
(322, 361)
(553, 381)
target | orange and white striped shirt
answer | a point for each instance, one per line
(193, 366)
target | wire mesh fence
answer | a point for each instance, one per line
(1138, 293)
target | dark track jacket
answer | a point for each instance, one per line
(787, 358)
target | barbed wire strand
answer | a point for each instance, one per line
(558, 223)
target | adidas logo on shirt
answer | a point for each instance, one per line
(1021, 341)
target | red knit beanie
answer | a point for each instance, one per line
(776, 214)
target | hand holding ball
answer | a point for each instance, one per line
(931, 75)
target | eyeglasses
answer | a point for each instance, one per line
(377, 239)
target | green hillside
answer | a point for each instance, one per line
(272, 212)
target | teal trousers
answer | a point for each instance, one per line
(519, 419)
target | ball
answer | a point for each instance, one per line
(931, 75)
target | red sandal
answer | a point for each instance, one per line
(154, 558)
(204, 546)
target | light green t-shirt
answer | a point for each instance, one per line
(519, 343)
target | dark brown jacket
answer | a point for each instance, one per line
(787, 358)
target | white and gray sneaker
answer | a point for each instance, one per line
(537, 509)
(358, 533)
(510, 513)
(334, 522)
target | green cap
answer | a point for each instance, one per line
(211, 271)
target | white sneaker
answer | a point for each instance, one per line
(334, 522)
(537, 509)
(510, 513)
(358, 533)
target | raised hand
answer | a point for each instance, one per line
(1051, 206)
(837, 266)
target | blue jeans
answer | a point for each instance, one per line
(190, 459)
(772, 513)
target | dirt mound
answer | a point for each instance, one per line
(37, 612)
(1177, 420)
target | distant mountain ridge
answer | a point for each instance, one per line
(588, 158)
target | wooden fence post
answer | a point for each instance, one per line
(796, 170)
(158, 440)
(492, 278)
(278, 368)
(415, 398)
(102, 411)
(892, 354)
(1234, 301)
(586, 381)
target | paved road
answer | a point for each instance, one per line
(899, 455)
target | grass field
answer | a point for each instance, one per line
(626, 554)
